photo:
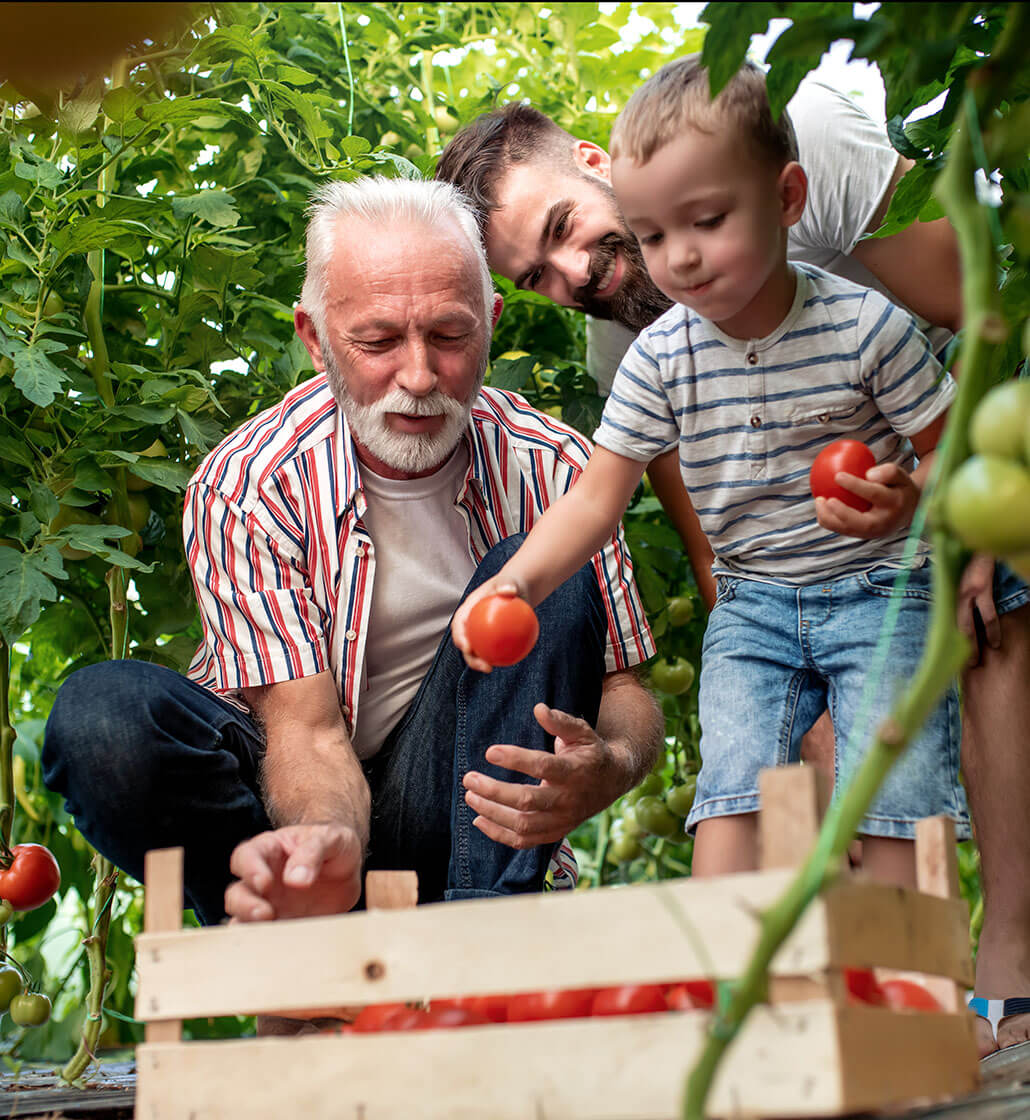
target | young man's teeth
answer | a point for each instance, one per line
(607, 278)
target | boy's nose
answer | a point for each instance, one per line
(683, 256)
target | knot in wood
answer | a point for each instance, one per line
(375, 970)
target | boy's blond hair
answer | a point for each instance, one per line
(677, 97)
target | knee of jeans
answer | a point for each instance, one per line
(496, 558)
(99, 726)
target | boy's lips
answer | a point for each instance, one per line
(699, 289)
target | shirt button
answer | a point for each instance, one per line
(351, 635)
(346, 710)
(360, 550)
(756, 421)
(824, 418)
(752, 359)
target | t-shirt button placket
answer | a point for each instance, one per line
(351, 635)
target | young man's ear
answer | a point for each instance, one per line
(305, 329)
(592, 159)
(793, 187)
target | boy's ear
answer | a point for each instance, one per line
(793, 188)
(592, 159)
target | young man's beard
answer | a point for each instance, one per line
(637, 302)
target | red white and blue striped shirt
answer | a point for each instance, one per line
(280, 557)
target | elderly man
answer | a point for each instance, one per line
(551, 224)
(327, 723)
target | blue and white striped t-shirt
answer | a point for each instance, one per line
(750, 416)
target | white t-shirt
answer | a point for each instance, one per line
(849, 163)
(749, 417)
(415, 527)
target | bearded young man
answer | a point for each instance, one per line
(327, 723)
(551, 223)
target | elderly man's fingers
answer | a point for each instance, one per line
(519, 840)
(243, 905)
(542, 765)
(561, 725)
(258, 861)
(513, 795)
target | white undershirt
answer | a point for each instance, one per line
(422, 563)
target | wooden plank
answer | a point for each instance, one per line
(784, 1064)
(905, 1056)
(391, 890)
(691, 928)
(162, 910)
(937, 874)
(788, 823)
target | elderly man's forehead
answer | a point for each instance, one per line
(355, 231)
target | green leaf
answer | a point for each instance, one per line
(14, 451)
(120, 105)
(729, 36)
(36, 375)
(43, 501)
(353, 146)
(161, 472)
(90, 233)
(911, 196)
(217, 208)
(23, 590)
(512, 373)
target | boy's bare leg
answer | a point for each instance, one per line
(996, 764)
(888, 860)
(726, 844)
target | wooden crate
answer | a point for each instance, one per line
(809, 1052)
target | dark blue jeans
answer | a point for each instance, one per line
(147, 759)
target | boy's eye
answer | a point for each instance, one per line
(710, 223)
(650, 239)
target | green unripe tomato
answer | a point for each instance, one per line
(627, 821)
(653, 816)
(10, 986)
(1000, 421)
(31, 1009)
(680, 799)
(652, 784)
(987, 505)
(673, 677)
(681, 610)
(622, 847)
(6, 911)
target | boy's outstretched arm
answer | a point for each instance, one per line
(561, 542)
(893, 492)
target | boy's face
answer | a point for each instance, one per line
(711, 220)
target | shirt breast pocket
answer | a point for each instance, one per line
(838, 415)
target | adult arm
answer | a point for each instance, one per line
(317, 798)
(589, 769)
(919, 265)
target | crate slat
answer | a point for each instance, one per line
(799, 1060)
(642, 934)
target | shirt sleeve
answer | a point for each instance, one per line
(898, 367)
(261, 623)
(638, 420)
(849, 163)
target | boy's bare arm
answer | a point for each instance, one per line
(579, 524)
(667, 483)
(919, 265)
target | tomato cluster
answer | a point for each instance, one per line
(623, 999)
(987, 503)
(645, 811)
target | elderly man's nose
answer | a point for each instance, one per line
(416, 373)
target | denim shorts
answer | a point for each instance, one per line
(776, 655)
(1010, 591)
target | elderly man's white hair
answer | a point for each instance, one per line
(381, 201)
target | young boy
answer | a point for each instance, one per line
(758, 366)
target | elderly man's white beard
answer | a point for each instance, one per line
(403, 451)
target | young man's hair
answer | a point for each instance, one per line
(677, 97)
(483, 152)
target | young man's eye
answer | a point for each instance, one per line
(710, 223)
(561, 227)
(534, 278)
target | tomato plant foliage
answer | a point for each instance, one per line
(151, 220)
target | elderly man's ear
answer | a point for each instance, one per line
(498, 308)
(305, 329)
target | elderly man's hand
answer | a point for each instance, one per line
(580, 779)
(298, 871)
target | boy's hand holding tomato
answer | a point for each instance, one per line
(856, 497)
(494, 626)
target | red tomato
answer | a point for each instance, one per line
(446, 1018)
(630, 999)
(502, 629)
(863, 986)
(493, 1008)
(32, 878)
(907, 995)
(690, 994)
(842, 455)
(562, 1003)
(378, 1016)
